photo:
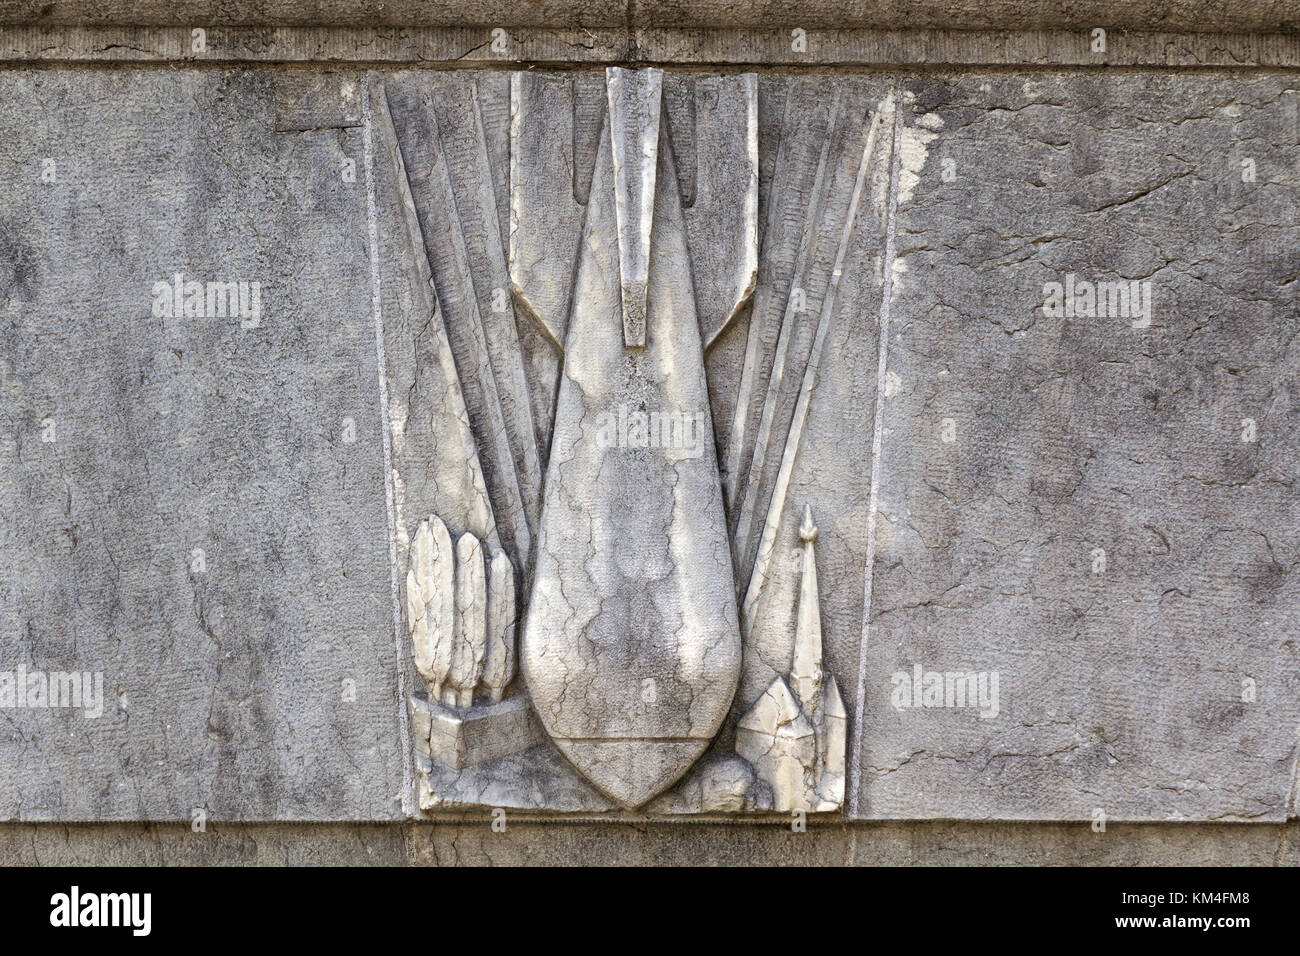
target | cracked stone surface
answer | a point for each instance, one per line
(631, 645)
(1078, 503)
(776, 738)
(204, 529)
(1004, 14)
(469, 842)
(1100, 510)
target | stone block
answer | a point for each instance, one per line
(460, 737)
(1098, 510)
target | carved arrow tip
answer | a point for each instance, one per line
(807, 530)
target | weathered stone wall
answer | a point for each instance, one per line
(606, 844)
(1189, 15)
(1103, 510)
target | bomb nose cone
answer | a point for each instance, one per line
(631, 772)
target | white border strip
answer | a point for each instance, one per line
(376, 306)
(886, 293)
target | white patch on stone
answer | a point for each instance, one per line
(913, 147)
(900, 266)
(399, 502)
(397, 412)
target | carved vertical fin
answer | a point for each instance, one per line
(726, 346)
(545, 231)
(679, 111)
(757, 444)
(722, 223)
(545, 218)
(802, 128)
(470, 643)
(635, 99)
(499, 662)
(588, 116)
(494, 108)
(501, 425)
(430, 600)
(464, 142)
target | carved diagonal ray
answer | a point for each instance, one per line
(453, 482)
(854, 168)
(441, 142)
(788, 214)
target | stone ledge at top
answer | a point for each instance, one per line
(1193, 16)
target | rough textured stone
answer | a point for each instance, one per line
(1103, 510)
(202, 525)
(972, 14)
(473, 842)
(1099, 510)
(741, 47)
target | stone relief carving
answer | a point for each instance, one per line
(462, 621)
(795, 734)
(599, 376)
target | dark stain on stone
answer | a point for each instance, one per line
(1264, 581)
(932, 93)
(1219, 717)
(18, 275)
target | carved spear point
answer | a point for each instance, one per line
(806, 673)
(807, 530)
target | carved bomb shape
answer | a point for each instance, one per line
(633, 580)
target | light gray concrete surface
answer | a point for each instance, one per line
(523, 844)
(259, 680)
(763, 45)
(1103, 513)
(1190, 15)
(203, 525)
